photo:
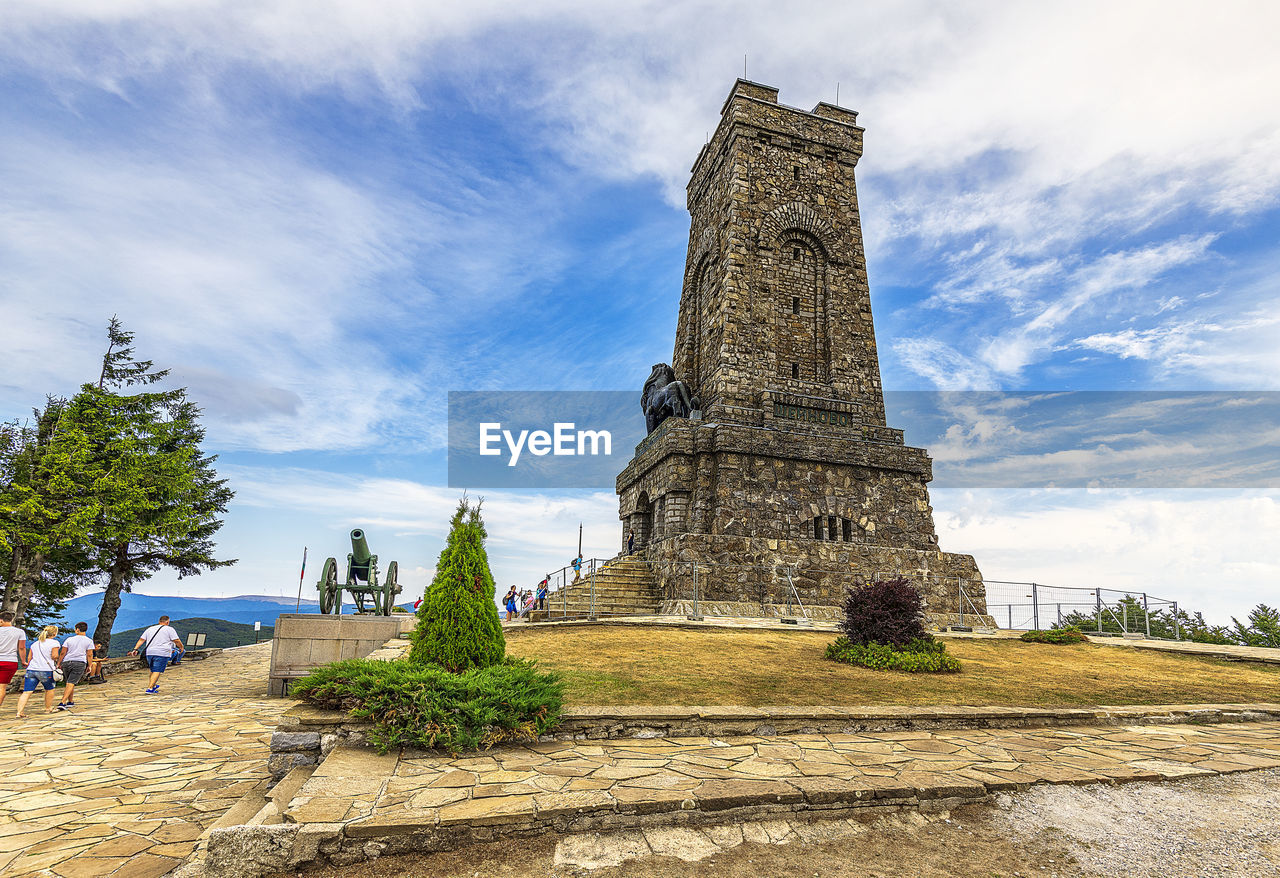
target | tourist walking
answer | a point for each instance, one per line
(542, 595)
(510, 602)
(76, 653)
(13, 651)
(42, 659)
(156, 646)
(576, 564)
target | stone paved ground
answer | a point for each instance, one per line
(389, 795)
(133, 778)
(1222, 827)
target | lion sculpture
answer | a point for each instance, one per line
(665, 396)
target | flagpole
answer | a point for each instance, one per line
(301, 576)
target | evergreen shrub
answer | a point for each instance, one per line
(887, 612)
(455, 690)
(424, 706)
(922, 655)
(458, 626)
(1066, 634)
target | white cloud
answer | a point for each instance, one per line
(1198, 547)
(278, 510)
(944, 366)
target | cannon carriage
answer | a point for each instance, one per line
(367, 593)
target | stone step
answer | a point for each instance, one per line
(631, 609)
(624, 597)
(284, 791)
(268, 815)
(244, 810)
(609, 594)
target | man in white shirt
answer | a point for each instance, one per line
(13, 651)
(157, 643)
(77, 650)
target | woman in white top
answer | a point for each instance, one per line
(42, 658)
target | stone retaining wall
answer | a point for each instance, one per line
(265, 849)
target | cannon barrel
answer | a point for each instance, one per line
(359, 547)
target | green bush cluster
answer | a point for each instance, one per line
(1066, 634)
(921, 655)
(455, 690)
(425, 706)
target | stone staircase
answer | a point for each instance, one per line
(624, 586)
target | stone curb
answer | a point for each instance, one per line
(306, 735)
(591, 722)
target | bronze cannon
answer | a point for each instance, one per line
(361, 584)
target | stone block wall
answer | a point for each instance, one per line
(304, 641)
(752, 571)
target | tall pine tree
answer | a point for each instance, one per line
(156, 497)
(458, 626)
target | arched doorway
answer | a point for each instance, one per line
(642, 521)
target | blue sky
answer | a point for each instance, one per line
(324, 215)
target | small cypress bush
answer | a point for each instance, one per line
(424, 706)
(888, 612)
(1067, 634)
(458, 626)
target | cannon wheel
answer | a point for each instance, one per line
(330, 594)
(390, 588)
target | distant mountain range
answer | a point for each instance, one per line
(141, 610)
(218, 634)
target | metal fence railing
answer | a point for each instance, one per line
(590, 592)
(1033, 605)
(791, 592)
(784, 589)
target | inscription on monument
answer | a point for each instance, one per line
(815, 415)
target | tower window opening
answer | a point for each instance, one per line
(795, 172)
(795, 252)
(817, 527)
(847, 527)
(795, 370)
(795, 304)
(831, 528)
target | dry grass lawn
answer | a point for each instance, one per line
(637, 665)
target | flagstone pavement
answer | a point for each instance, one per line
(385, 795)
(131, 778)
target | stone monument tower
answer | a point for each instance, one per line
(786, 465)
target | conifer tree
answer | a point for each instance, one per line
(156, 497)
(458, 626)
(44, 519)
